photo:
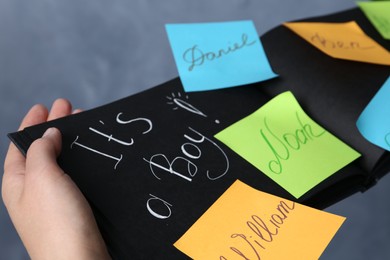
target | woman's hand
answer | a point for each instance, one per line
(50, 214)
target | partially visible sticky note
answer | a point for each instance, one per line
(218, 55)
(379, 15)
(245, 223)
(374, 121)
(287, 145)
(342, 40)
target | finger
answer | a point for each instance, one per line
(14, 164)
(36, 115)
(60, 108)
(14, 161)
(42, 155)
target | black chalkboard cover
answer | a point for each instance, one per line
(149, 164)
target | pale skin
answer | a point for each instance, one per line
(50, 214)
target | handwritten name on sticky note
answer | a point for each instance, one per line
(379, 15)
(218, 55)
(287, 145)
(342, 40)
(374, 122)
(245, 223)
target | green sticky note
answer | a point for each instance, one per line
(287, 145)
(378, 12)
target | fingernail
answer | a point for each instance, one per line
(49, 132)
(76, 111)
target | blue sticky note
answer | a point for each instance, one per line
(374, 122)
(218, 55)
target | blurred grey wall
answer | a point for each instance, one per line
(94, 52)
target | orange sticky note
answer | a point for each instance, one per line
(342, 40)
(245, 223)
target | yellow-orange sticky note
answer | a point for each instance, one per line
(342, 40)
(245, 223)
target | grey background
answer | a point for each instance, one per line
(94, 52)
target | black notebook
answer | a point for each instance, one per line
(150, 166)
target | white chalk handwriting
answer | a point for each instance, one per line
(110, 137)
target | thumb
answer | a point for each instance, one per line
(42, 155)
